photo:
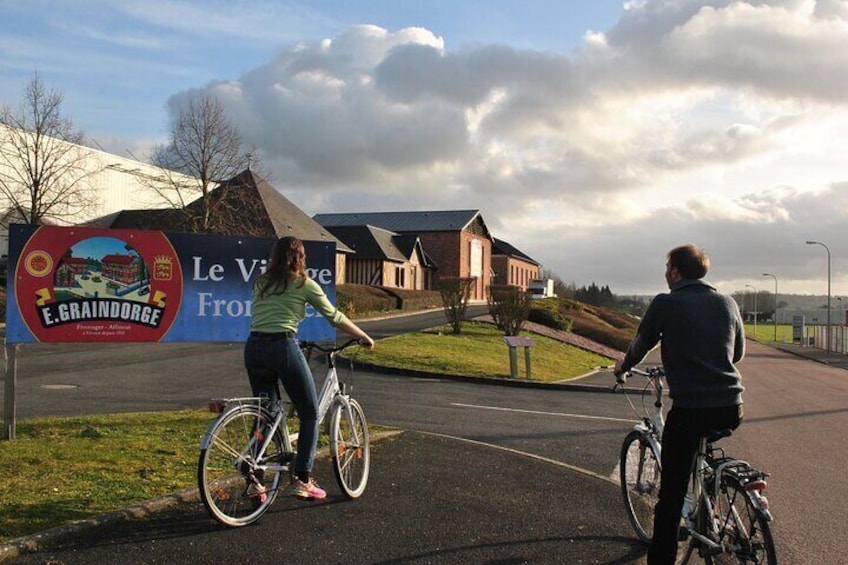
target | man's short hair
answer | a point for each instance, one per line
(690, 261)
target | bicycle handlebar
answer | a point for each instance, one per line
(329, 348)
(650, 373)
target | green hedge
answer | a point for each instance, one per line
(415, 299)
(551, 319)
(359, 299)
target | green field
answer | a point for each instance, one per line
(766, 332)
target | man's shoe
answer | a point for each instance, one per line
(308, 491)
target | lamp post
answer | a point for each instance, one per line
(826, 248)
(755, 307)
(775, 302)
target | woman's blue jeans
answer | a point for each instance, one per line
(269, 358)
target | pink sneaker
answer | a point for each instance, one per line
(308, 491)
(259, 494)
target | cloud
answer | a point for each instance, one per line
(684, 121)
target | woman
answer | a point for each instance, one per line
(272, 351)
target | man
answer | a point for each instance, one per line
(702, 340)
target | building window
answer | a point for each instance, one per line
(476, 258)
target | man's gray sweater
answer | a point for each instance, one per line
(702, 339)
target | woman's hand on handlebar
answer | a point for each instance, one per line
(619, 372)
(367, 342)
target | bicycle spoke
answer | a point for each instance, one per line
(236, 484)
(741, 529)
(349, 438)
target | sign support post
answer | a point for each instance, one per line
(11, 354)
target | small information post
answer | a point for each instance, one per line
(514, 342)
(798, 329)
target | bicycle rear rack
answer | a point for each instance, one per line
(752, 480)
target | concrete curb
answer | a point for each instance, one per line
(497, 381)
(35, 542)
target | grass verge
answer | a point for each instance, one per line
(765, 332)
(62, 469)
(480, 351)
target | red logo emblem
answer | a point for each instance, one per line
(81, 284)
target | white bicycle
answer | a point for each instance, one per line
(247, 452)
(726, 514)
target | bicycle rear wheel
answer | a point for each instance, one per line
(237, 484)
(349, 443)
(741, 527)
(639, 471)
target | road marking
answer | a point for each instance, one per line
(539, 413)
(615, 476)
(574, 468)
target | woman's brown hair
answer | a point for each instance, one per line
(287, 262)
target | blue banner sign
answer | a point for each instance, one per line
(71, 284)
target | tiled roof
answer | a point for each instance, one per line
(368, 242)
(403, 222)
(287, 218)
(407, 244)
(284, 217)
(373, 242)
(501, 247)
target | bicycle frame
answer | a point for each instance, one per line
(652, 425)
(331, 393)
(248, 449)
(699, 503)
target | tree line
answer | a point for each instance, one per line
(595, 295)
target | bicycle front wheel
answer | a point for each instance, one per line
(639, 471)
(237, 481)
(349, 443)
(742, 529)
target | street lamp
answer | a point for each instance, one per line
(826, 248)
(755, 307)
(775, 302)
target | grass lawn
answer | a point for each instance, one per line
(765, 332)
(480, 351)
(62, 469)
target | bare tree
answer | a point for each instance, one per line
(509, 307)
(455, 293)
(44, 173)
(204, 150)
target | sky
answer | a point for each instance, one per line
(593, 135)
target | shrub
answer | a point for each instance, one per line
(414, 299)
(508, 307)
(360, 299)
(603, 333)
(550, 318)
(455, 293)
(568, 304)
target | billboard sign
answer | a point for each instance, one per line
(72, 284)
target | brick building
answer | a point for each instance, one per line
(512, 266)
(457, 241)
(385, 258)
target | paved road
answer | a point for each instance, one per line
(441, 500)
(796, 414)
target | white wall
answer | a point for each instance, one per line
(118, 183)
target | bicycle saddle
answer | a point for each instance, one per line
(715, 435)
